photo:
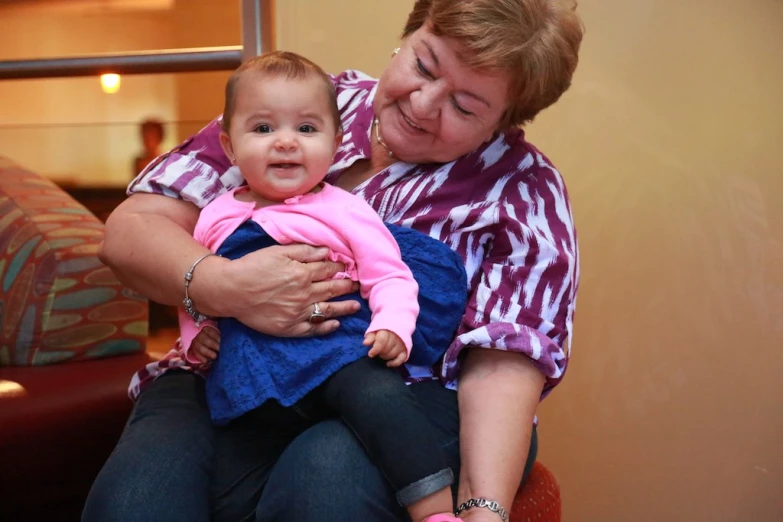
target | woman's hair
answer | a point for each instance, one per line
(535, 41)
(279, 64)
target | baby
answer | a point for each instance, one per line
(281, 129)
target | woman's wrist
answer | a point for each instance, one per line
(498, 394)
(208, 289)
(480, 508)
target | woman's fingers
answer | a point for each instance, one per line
(307, 329)
(332, 309)
(328, 290)
(323, 270)
(280, 285)
(302, 253)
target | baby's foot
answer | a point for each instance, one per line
(442, 517)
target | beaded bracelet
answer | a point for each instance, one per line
(188, 302)
(484, 503)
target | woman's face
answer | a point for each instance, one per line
(432, 108)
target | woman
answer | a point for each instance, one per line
(432, 145)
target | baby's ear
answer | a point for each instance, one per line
(228, 149)
(338, 140)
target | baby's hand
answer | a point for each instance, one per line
(388, 346)
(206, 345)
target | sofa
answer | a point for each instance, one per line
(71, 335)
(70, 338)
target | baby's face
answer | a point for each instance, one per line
(282, 134)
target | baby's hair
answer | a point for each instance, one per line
(277, 64)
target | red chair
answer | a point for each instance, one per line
(539, 499)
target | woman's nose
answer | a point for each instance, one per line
(426, 102)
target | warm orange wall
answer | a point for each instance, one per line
(342, 34)
(204, 23)
(669, 142)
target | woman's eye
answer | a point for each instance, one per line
(306, 128)
(422, 69)
(263, 128)
(460, 109)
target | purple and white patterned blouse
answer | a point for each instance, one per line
(503, 208)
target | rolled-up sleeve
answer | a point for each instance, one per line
(524, 293)
(197, 170)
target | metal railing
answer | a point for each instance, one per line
(257, 37)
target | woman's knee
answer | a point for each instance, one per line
(323, 453)
(325, 474)
(162, 461)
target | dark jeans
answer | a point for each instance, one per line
(372, 400)
(160, 470)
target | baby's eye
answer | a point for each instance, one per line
(263, 128)
(306, 128)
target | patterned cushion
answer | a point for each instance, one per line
(539, 499)
(58, 302)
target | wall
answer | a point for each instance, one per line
(344, 34)
(203, 23)
(668, 142)
(68, 128)
(673, 407)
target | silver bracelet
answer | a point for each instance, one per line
(484, 503)
(188, 302)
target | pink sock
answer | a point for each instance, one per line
(443, 517)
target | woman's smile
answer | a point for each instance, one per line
(410, 122)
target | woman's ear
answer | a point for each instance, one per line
(225, 144)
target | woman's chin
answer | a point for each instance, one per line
(412, 156)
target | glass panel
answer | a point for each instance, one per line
(69, 130)
(87, 154)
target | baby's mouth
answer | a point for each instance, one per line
(283, 165)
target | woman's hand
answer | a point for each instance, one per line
(273, 290)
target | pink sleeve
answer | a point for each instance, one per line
(385, 281)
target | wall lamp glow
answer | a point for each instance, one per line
(110, 83)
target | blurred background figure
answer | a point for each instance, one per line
(152, 135)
